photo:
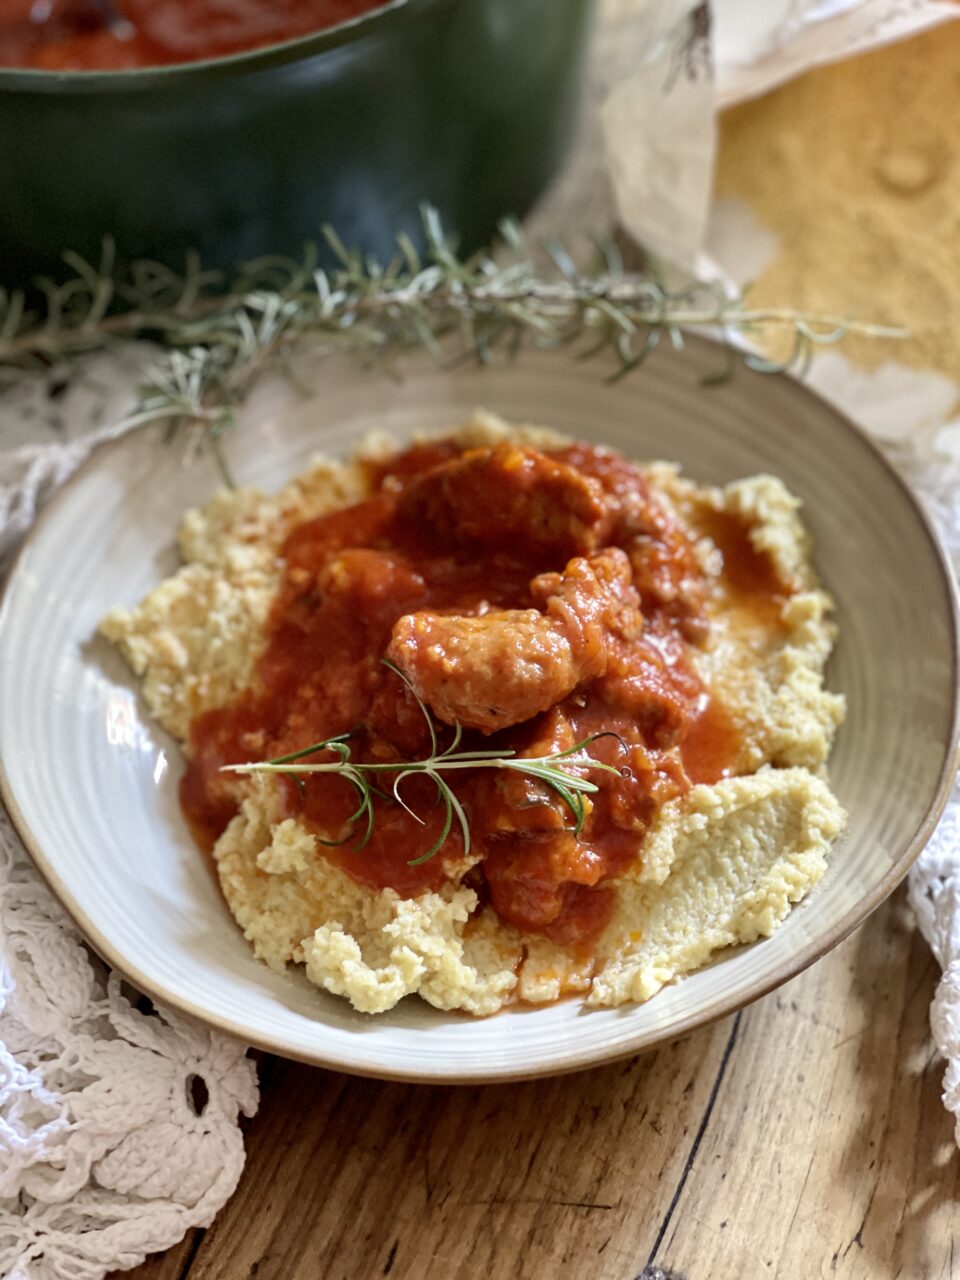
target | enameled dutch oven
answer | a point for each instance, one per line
(466, 104)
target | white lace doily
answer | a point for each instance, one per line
(118, 1121)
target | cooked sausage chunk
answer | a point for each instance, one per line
(666, 570)
(508, 497)
(501, 668)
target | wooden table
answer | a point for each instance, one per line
(803, 1137)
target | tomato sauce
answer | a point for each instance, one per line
(750, 576)
(86, 35)
(348, 577)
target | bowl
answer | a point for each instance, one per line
(465, 104)
(91, 783)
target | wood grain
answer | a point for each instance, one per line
(803, 1138)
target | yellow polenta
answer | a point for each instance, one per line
(720, 865)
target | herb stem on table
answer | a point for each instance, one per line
(221, 335)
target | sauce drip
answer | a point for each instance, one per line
(750, 577)
(77, 35)
(349, 576)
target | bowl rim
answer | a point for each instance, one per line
(790, 968)
(389, 14)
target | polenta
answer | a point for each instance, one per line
(531, 593)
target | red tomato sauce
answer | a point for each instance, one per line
(83, 35)
(348, 577)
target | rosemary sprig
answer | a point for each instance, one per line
(220, 335)
(560, 771)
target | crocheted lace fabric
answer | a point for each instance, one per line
(934, 884)
(118, 1121)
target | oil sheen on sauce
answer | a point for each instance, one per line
(84, 35)
(351, 574)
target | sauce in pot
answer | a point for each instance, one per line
(85, 35)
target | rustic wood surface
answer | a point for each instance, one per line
(801, 1138)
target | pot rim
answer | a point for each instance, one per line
(389, 15)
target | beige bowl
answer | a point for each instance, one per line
(91, 783)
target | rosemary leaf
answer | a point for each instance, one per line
(561, 771)
(221, 334)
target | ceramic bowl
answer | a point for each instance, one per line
(92, 784)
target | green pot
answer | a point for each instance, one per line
(467, 104)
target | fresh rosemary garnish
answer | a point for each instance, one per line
(558, 771)
(221, 335)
